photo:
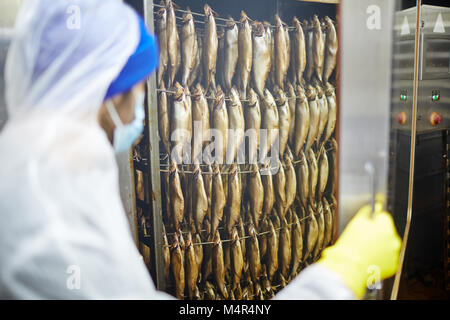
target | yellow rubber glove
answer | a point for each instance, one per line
(366, 244)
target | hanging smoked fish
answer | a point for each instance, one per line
(176, 196)
(291, 98)
(256, 193)
(328, 217)
(291, 182)
(218, 266)
(299, 50)
(161, 32)
(199, 199)
(284, 252)
(210, 44)
(218, 200)
(177, 263)
(272, 252)
(198, 54)
(303, 180)
(261, 58)
(331, 47)
(245, 54)
(314, 117)
(269, 122)
(191, 269)
(312, 233)
(332, 160)
(234, 198)
(323, 107)
(279, 184)
(263, 227)
(252, 114)
(207, 252)
(198, 253)
(253, 255)
(231, 53)
(297, 246)
(271, 43)
(313, 175)
(200, 123)
(173, 43)
(166, 255)
(323, 172)
(220, 54)
(302, 120)
(237, 259)
(281, 52)
(321, 233)
(241, 231)
(188, 47)
(163, 118)
(236, 125)
(269, 193)
(318, 48)
(284, 119)
(220, 122)
(309, 41)
(332, 111)
(180, 124)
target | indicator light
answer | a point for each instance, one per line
(435, 118)
(403, 97)
(401, 118)
(436, 97)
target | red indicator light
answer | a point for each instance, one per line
(435, 118)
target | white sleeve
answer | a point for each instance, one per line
(316, 282)
(63, 231)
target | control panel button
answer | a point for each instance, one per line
(435, 95)
(401, 118)
(435, 118)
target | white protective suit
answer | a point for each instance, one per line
(63, 230)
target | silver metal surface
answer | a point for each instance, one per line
(364, 102)
(155, 177)
(434, 68)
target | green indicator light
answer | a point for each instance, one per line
(436, 97)
(403, 97)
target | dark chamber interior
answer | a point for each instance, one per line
(255, 9)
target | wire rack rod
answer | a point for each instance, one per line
(229, 20)
(331, 205)
(200, 21)
(190, 95)
(248, 236)
(222, 173)
(295, 162)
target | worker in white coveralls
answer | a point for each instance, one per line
(75, 93)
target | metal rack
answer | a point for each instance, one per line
(447, 211)
(149, 163)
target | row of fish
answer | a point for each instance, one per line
(248, 264)
(212, 205)
(246, 52)
(217, 190)
(296, 118)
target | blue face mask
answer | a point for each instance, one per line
(126, 134)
